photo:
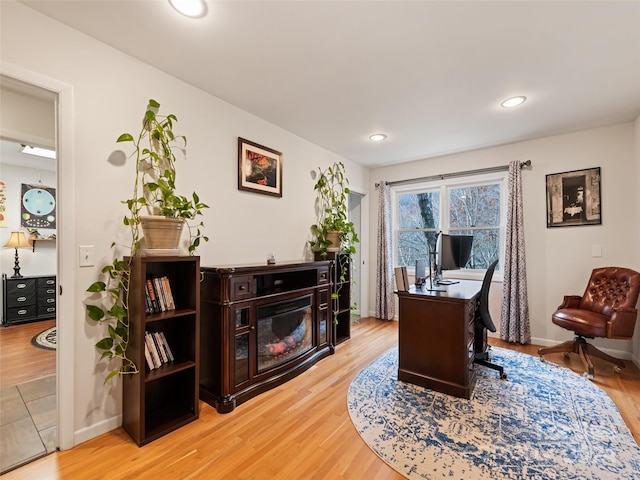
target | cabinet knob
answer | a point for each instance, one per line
(242, 288)
(21, 285)
(21, 299)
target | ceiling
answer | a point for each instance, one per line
(428, 74)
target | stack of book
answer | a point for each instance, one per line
(156, 349)
(158, 296)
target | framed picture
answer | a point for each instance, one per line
(573, 198)
(259, 168)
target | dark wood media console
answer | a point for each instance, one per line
(261, 325)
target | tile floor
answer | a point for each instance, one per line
(27, 422)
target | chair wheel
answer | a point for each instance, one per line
(542, 358)
(588, 375)
(617, 369)
(503, 376)
(565, 354)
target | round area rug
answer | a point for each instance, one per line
(46, 339)
(544, 422)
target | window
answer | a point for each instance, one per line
(470, 206)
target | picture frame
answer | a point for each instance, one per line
(574, 198)
(259, 168)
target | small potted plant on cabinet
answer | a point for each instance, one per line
(154, 193)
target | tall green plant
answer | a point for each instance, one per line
(332, 203)
(153, 193)
(332, 189)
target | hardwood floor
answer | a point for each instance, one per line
(298, 430)
(19, 360)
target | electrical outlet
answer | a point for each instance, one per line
(86, 256)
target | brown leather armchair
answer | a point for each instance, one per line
(606, 310)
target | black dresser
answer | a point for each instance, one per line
(28, 299)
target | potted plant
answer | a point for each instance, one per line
(333, 231)
(153, 194)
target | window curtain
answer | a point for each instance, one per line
(385, 302)
(514, 315)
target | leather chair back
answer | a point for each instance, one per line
(609, 288)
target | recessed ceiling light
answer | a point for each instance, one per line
(190, 8)
(40, 152)
(513, 101)
(377, 137)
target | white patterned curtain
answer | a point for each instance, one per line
(385, 302)
(514, 315)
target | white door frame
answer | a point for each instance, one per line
(65, 246)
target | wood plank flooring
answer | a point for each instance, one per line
(299, 430)
(19, 360)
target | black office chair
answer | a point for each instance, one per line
(483, 323)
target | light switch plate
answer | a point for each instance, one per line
(596, 251)
(86, 255)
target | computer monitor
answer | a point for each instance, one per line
(452, 253)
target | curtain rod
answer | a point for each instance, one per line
(501, 168)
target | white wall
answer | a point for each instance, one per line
(110, 93)
(559, 260)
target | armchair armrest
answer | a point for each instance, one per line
(622, 323)
(570, 301)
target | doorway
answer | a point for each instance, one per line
(355, 216)
(28, 428)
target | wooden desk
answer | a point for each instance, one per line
(436, 334)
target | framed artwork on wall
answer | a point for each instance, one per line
(259, 168)
(573, 198)
(38, 207)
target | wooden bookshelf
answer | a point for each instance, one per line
(160, 400)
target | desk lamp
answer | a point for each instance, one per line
(17, 240)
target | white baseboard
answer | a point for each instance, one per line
(97, 429)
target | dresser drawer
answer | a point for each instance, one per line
(48, 311)
(21, 299)
(46, 301)
(20, 292)
(46, 282)
(21, 314)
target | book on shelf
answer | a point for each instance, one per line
(160, 352)
(166, 346)
(161, 296)
(167, 289)
(152, 350)
(160, 347)
(152, 296)
(147, 356)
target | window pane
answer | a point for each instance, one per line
(413, 246)
(486, 246)
(419, 210)
(477, 206)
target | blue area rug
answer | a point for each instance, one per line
(544, 422)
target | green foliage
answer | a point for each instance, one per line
(155, 181)
(153, 193)
(332, 202)
(332, 189)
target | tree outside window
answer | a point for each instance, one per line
(468, 209)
